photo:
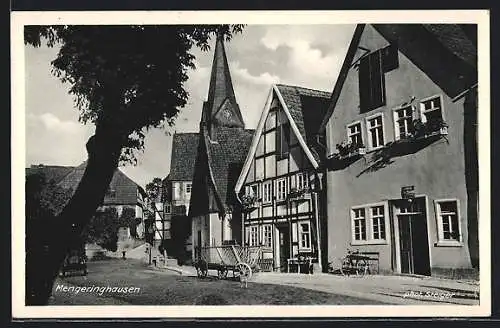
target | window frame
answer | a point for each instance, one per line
(422, 108)
(370, 240)
(304, 178)
(283, 192)
(439, 222)
(253, 231)
(189, 187)
(267, 237)
(302, 233)
(270, 195)
(397, 135)
(360, 130)
(368, 134)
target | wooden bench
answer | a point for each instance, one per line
(373, 259)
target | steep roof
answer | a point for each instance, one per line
(182, 162)
(51, 172)
(68, 177)
(221, 93)
(307, 108)
(225, 158)
(447, 53)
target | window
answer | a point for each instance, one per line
(176, 190)
(281, 189)
(359, 223)
(376, 131)
(283, 140)
(354, 134)
(371, 82)
(305, 235)
(254, 235)
(378, 222)
(267, 235)
(253, 190)
(188, 187)
(430, 110)
(302, 182)
(448, 221)
(403, 120)
(369, 224)
(266, 192)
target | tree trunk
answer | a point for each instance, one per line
(44, 260)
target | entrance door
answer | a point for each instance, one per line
(284, 247)
(413, 241)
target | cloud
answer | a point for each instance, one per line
(54, 124)
(243, 74)
(313, 56)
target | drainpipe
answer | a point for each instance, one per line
(243, 217)
(316, 214)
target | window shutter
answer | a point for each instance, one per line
(364, 84)
(377, 80)
(278, 141)
(285, 139)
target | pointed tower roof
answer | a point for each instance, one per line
(221, 107)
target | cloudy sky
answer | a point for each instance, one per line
(307, 55)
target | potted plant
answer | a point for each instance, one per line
(296, 193)
(420, 129)
(249, 201)
(348, 149)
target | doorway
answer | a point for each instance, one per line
(284, 247)
(413, 238)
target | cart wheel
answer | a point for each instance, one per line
(222, 273)
(244, 270)
(361, 267)
(201, 269)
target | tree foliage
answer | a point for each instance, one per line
(103, 229)
(129, 77)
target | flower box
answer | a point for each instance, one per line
(250, 202)
(421, 130)
(348, 150)
(299, 194)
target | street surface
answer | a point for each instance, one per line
(132, 282)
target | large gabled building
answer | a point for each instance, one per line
(281, 185)
(223, 143)
(401, 132)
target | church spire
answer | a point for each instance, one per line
(221, 108)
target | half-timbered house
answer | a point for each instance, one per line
(280, 185)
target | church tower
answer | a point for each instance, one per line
(221, 108)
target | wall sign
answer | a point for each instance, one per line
(408, 192)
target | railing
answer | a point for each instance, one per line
(231, 254)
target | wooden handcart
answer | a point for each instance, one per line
(239, 260)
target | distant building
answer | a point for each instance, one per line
(281, 182)
(177, 191)
(401, 133)
(122, 193)
(222, 146)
